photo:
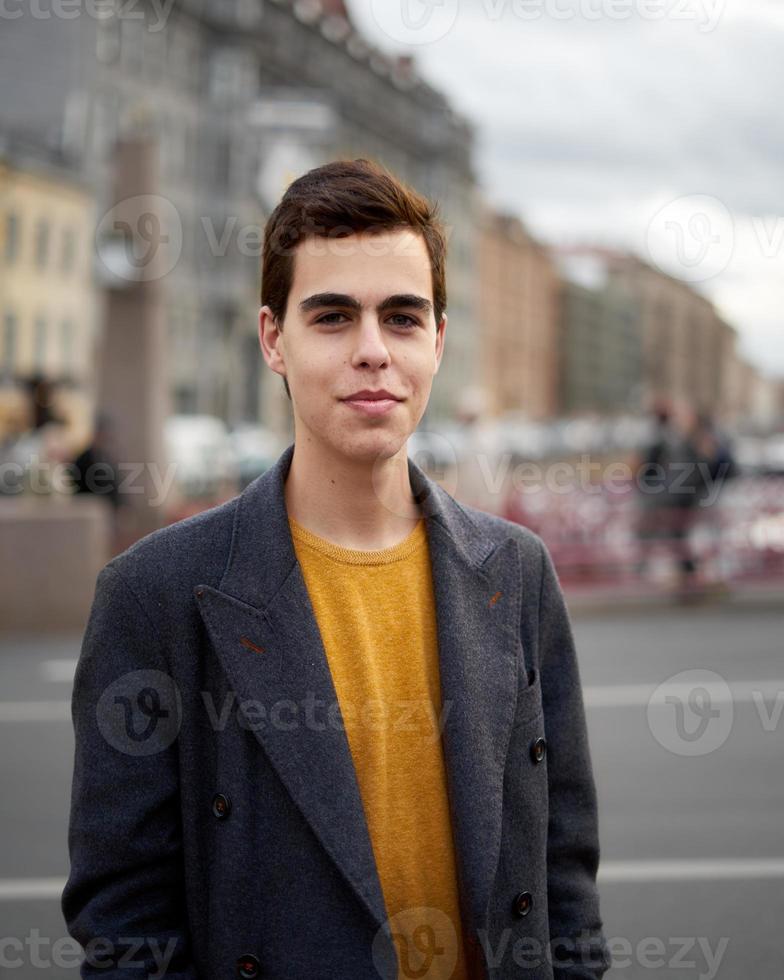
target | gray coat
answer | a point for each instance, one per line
(217, 828)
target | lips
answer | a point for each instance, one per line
(372, 396)
(372, 406)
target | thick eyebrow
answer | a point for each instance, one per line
(408, 300)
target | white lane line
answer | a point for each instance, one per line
(58, 671)
(637, 695)
(35, 711)
(30, 888)
(594, 696)
(609, 871)
(691, 870)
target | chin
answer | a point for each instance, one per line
(373, 446)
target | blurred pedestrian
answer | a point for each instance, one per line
(94, 469)
(672, 479)
(714, 448)
(32, 453)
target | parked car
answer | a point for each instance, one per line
(206, 466)
(255, 449)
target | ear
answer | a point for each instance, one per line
(440, 332)
(270, 341)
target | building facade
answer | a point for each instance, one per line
(241, 96)
(687, 346)
(517, 337)
(600, 339)
(49, 305)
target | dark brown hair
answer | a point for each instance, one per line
(339, 199)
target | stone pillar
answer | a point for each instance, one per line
(139, 241)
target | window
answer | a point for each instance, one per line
(132, 42)
(66, 345)
(12, 231)
(222, 78)
(39, 343)
(107, 45)
(222, 149)
(106, 113)
(9, 344)
(69, 250)
(41, 243)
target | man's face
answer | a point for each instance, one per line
(359, 316)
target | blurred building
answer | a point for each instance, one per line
(517, 341)
(599, 340)
(688, 349)
(240, 97)
(630, 334)
(753, 401)
(49, 306)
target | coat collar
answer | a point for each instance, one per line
(262, 600)
(261, 528)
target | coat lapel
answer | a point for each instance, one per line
(263, 629)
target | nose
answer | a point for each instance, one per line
(370, 348)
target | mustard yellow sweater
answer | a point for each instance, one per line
(376, 615)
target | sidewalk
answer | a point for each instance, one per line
(634, 597)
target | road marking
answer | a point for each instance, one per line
(711, 869)
(58, 671)
(35, 711)
(594, 696)
(638, 695)
(30, 888)
(609, 871)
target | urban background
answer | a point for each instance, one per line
(142, 147)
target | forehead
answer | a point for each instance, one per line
(373, 265)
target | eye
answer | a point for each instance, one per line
(326, 318)
(403, 319)
(411, 321)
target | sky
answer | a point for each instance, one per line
(654, 125)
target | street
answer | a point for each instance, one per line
(691, 791)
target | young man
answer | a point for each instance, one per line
(333, 728)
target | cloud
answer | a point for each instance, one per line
(585, 126)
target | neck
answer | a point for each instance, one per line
(363, 504)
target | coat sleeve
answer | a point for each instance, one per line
(577, 942)
(124, 898)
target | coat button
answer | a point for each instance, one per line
(538, 749)
(221, 805)
(522, 903)
(248, 966)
